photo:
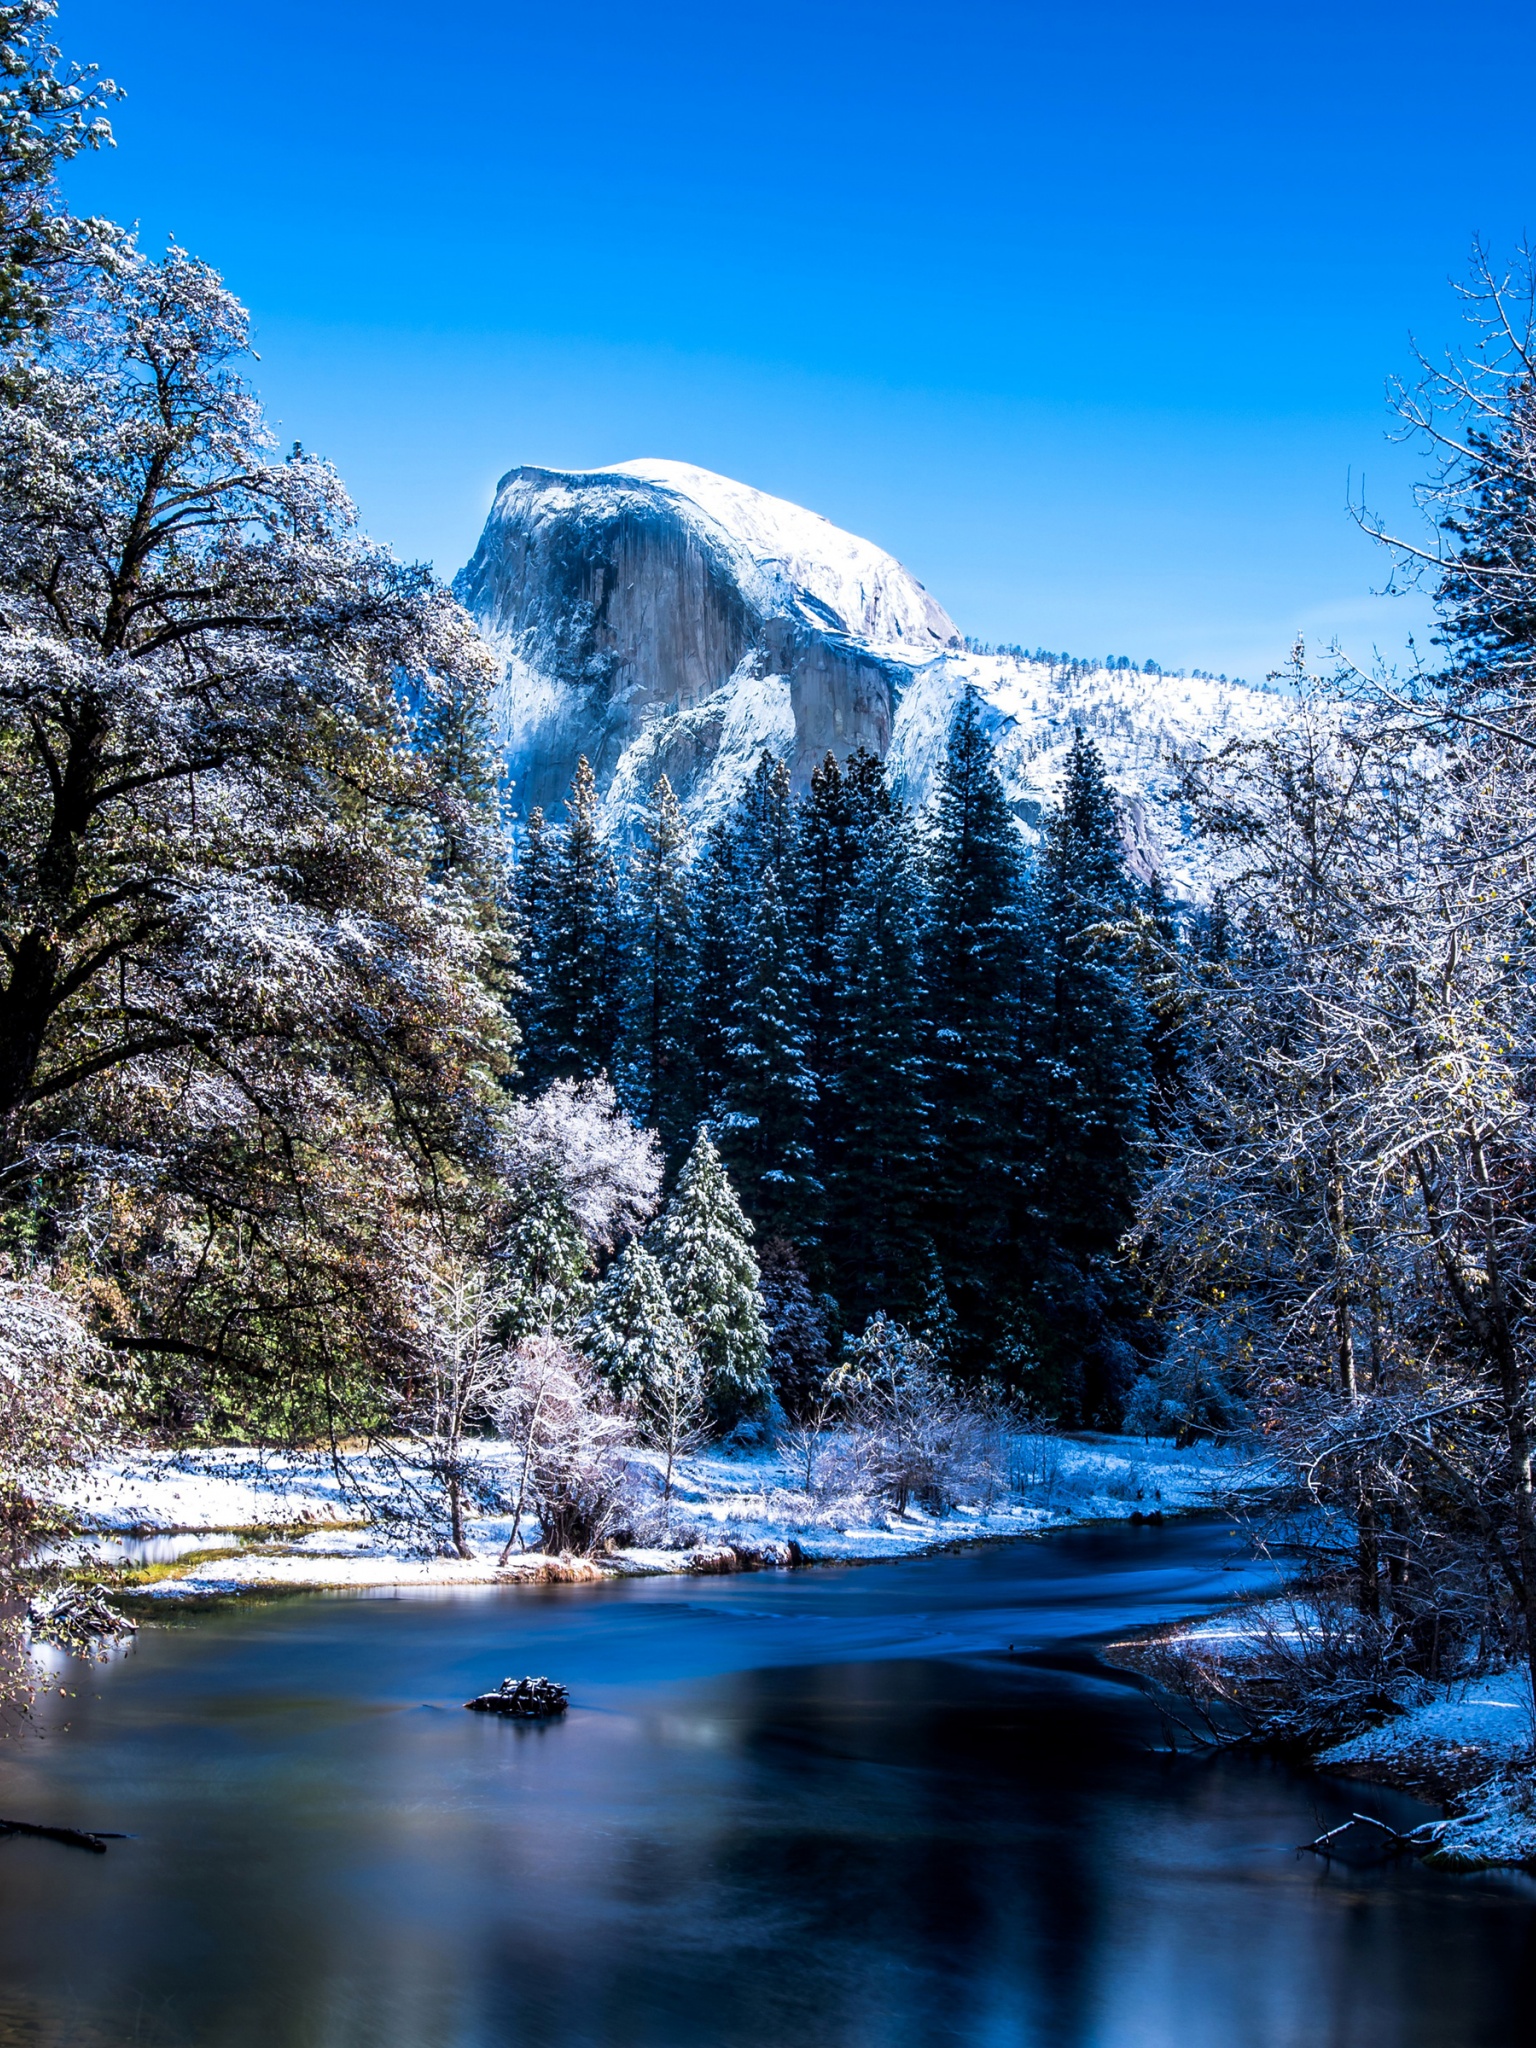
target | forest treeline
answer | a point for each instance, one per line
(926, 1054)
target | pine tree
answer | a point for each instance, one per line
(544, 1261)
(580, 951)
(819, 888)
(972, 962)
(766, 1094)
(702, 1242)
(1163, 976)
(716, 965)
(631, 1333)
(1094, 1041)
(728, 882)
(799, 1329)
(1089, 1037)
(763, 827)
(532, 895)
(451, 727)
(643, 1349)
(866, 796)
(655, 1064)
(879, 1250)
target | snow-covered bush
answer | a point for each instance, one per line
(1190, 1390)
(913, 1437)
(570, 1442)
(58, 1413)
(1296, 1674)
(609, 1172)
(1034, 1463)
(461, 1369)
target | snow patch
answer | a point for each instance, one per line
(1490, 1714)
(749, 1502)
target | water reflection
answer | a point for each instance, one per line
(820, 1809)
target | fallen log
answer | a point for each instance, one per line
(94, 1839)
(1405, 1844)
(526, 1699)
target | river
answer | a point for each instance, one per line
(851, 1808)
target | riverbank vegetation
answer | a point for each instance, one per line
(1337, 1232)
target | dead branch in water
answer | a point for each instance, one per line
(94, 1839)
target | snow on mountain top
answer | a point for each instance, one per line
(1139, 720)
(868, 591)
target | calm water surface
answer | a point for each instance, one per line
(827, 1809)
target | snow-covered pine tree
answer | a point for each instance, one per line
(543, 1259)
(451, 726)
(632, 1333)
(1160, 954)
(1088, 1123)
(972, 959)
(728, 877)
(817, 891)
(799, 1328)
(866, 795)
(878, 1248)
(643, 1350)
(655, 1065)
(714, 969)
(766, 1095)
(763, 826)
(581, 948)
(532, 890)
(702, 1243)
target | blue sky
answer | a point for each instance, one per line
(1083, 312)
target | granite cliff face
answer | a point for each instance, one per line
(664, 620)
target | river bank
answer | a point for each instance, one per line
(1467, 1744)
(170, 1528)
(208, 1523)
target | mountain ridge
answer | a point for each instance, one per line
(662, 619)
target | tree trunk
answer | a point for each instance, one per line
(1512, 1397)
(456, 1515)
(1369, 1554)
(1342, 1308)
(28, 999)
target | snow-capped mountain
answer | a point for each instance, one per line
(660, 619)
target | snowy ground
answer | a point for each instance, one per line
(1490, 1715)
(1478, 1732)
(287, 1520)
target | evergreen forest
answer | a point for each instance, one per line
(925, 1052)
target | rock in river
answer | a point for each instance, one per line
(530, 1699)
